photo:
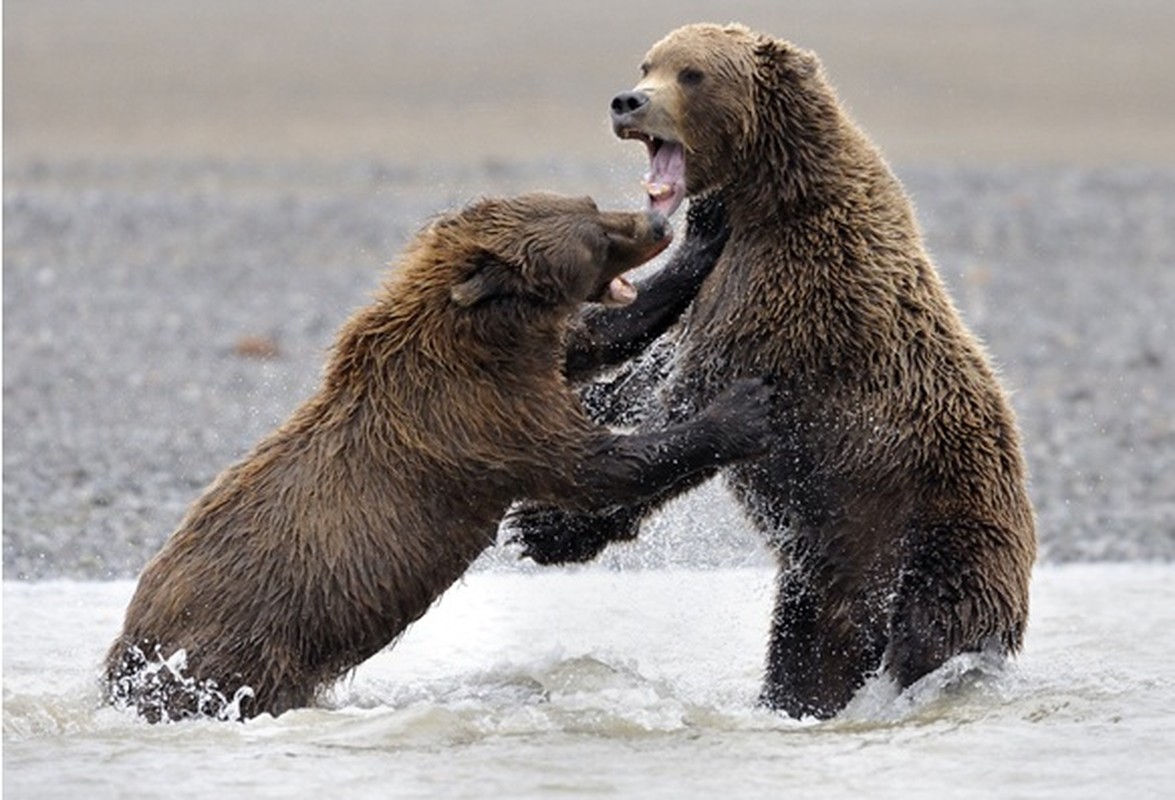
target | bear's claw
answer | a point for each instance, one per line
(550, 535)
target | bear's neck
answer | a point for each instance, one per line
(426, 343)
(807, 155)
(406, 383)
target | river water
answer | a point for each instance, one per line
(639, 683)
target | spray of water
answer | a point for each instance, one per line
(160, 690)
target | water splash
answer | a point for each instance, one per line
(944, 692)
(159, 690)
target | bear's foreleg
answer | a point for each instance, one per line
(628, 469)
(622, 477)
(577, 531)
(551, 535)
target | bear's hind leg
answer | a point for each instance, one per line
(820, 652)
(958, 592)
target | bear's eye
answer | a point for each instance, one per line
(690, 76)
(645, 69)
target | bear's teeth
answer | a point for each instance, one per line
(657, 189)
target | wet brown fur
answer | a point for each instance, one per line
(443, 401)
(898, 500)
(896, 495)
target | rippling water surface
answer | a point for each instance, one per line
(637, 684)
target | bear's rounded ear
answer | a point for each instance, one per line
(491, 278)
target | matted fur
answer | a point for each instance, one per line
(896, 495)
(443, 401)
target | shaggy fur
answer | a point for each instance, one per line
(442, 402)
(895, 495)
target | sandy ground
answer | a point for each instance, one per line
(195, 195)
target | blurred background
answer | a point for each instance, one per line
(197, 194)
(958, 80)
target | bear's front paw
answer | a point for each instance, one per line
(741, 417)
(551, 535)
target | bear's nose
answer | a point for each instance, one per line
(629, 102)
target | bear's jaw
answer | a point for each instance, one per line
(618, 290)
(664, 183)
(648, 237)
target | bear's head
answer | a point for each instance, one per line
(718, 105)
(546, 249)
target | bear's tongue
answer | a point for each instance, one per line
(665, 181)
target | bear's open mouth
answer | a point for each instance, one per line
(620, 291)
(665, 181)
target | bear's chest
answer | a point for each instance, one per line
(754, 313)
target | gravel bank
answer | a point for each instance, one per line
(159, 317)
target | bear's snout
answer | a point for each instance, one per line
(626, 105)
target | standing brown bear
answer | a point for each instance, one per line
(443, 401)
(895, 495)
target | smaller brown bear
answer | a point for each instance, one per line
(443, 402)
